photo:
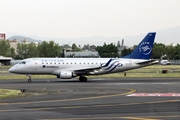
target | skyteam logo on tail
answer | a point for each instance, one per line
(145, 48)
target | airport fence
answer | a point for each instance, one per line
(175, 62)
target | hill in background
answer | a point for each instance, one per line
(21, 38)
(165, 36)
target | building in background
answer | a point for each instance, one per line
(13, 44)
(120, 47)
(5, 60)
(2, 36)
(82, 54)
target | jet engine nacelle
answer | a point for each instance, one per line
(65, 75)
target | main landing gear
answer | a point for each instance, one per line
(29, 80)
(82, 79)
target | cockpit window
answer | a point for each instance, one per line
(22, 62)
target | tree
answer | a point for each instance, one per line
(75, 48)
(177, 52)
(13, 52)
(32, 50)
(22, 50)
(43, 49)
(49, 49)
(170, 51)
(26, 50)
(158, 50)
(109, 50)
(5, 48)
(126, 51)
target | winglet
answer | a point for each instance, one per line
(144, 49)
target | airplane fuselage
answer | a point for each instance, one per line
(55, 66)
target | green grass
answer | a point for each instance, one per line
(138, 75)
(12, 77)
(7, 93)
(5, 67)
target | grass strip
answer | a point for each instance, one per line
(7, 93)
(12, 77)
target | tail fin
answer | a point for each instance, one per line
(144, 49)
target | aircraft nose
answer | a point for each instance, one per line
(11, 70)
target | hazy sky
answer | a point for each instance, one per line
(86, 18)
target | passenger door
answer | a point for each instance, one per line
(36, 64)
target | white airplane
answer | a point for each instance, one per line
(67, 68)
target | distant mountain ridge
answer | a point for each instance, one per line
(21, 38)
(165, 36)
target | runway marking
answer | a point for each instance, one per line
(73, 99)
(138, 83)
(120, 117)
(74, 107)
(139, 118)
(105, 118)
(156, 94)
(154, 102)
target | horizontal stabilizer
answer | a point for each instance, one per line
(149, 61)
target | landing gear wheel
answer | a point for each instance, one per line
(29, 80)
(23, 90)
(82, 79)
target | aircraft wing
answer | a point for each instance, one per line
(87, 70)
(92, 69)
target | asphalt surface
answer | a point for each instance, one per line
(97, 99)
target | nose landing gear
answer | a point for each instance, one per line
(29, 80)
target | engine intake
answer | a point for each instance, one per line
(65, 75)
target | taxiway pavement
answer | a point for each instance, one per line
(106, 99)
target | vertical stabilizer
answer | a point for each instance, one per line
(144, 49)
